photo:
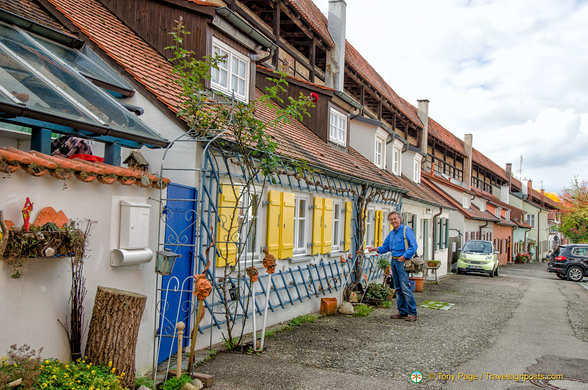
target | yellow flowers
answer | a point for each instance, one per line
(110, 363)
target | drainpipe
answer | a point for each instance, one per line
(435, 227)
(538, 242)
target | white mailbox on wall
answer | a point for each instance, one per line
(134, 225)
(133, 245)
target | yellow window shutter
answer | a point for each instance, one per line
(327, 239)
(348, 214)
(273, 221)
(227, 231)
(287, 226)
(317, 225)
(378, 228)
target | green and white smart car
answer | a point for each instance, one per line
(478, 256)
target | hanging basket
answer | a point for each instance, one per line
(164, 262)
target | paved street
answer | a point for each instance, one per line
(526, 321)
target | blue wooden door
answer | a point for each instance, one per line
(176, 289)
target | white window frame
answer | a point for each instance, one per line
(396, 161)
(497, 213)
(465, 202)
(256, 219)
(379, 157)
(369, 234)
(337, 134)
(298, 248)
(227, 66)
(417, 170)
(339, 220)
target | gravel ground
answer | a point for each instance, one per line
(378, 352)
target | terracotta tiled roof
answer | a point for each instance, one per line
(313, 16)
(296, 141)
(210, 3)
(420, 192)
(39, 164)
(445, 136)
(117, 40)
(30, 10)
(471, 213)
(361, 66)
(484, 161)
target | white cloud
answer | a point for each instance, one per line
(513, 73)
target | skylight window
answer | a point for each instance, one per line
(32, 78)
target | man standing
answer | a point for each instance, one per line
(401, 250)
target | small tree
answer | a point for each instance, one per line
(247, 144)
(574, 212)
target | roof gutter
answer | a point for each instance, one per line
(14, 110)
(348, 99)
(245, 27)
(47, 32)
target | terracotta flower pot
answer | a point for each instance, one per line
(419, 283)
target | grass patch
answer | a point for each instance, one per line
(362, 310)
(144, 381)
(296, 322)
(386, 304)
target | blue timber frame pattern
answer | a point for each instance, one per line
(296, 283)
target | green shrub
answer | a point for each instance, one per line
(144, 381)
(362, 310)
(386, 304)
(176, 383)
(378, 291)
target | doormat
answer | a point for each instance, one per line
(437, 305)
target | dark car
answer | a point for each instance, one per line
(569, 262)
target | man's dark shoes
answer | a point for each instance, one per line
(410, 317)
(398, 316)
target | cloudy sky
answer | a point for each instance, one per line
(512, 73)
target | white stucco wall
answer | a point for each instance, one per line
(35, 302)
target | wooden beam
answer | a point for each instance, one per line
(276, 31)
(312, 58)
(379, 109)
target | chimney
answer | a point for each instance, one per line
(336, 57)
(467, 161)
(509, 175)
(423, 113)
(529, 188)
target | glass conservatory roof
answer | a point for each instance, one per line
(42, 82)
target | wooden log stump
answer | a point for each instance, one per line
(113, 330)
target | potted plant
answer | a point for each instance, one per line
(433, 263)
(377, 293)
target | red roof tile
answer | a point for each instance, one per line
(30, 10)
(362, 67)
(117, 40)
(471, 213)
(39, 164)
(294, 140)
(314, 17)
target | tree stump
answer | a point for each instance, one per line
(113, 331)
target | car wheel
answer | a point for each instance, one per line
(496, 271)
(575, 273)
(460, 272)
(561, 276)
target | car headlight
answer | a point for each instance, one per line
(464, 256)
(488, 258)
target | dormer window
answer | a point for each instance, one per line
(465, 202)
(232, 75)
(417, 170)
(396, 161)
(338, 127)
(379, 154)
(497, 213)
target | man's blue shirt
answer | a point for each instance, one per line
(394, 243)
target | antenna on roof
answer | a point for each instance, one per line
(521, 167)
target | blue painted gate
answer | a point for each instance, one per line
(176, 289)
